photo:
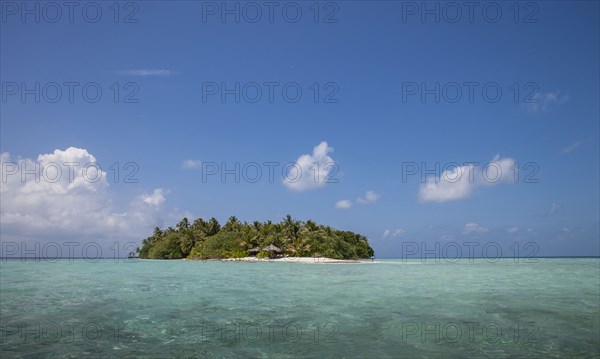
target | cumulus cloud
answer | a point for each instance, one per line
(66, 195)
(191, 164)
(442, 189)
(370, 197)
(473, 228)
(155, 199)
(512, 230)
(311, 171)
(499, 170)
(386, 233)
(343, 204)
(460, 182)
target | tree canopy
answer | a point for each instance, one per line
(209, 240)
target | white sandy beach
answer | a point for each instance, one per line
(306, 260)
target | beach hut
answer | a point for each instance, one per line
(272, 250)
(317, 256)
(253, 251)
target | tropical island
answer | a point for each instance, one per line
(209, 240)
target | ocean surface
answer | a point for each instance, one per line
(387, 309)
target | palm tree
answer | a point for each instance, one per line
(213, 227)
(187, 243)
(232, 225)
(183, 225)
(200, 225)
(293, 231)
(310, 226)
(288, 225)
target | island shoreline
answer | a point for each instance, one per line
(303, 260)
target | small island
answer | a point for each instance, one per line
(289, 238)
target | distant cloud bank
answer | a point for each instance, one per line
(67, 197)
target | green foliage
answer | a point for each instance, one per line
(221, 245)
(168, 247)
(207, 239)
(263, 255)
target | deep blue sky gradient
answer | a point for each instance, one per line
(368, 53)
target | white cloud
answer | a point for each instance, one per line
(343, 204)
(311, 171)
(571, 147)
(399, 232)
(512, 230)
(67, 201)
(370, 197)
(148, 72)
(474, 228)
(499, 170)
(191, 164)
(155, 199)
(460, 182)
(543, 100)
(442, 189)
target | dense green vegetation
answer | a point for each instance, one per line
(207, 239)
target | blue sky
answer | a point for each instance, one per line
(369, 57)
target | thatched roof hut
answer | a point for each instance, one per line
(254, 250)
(271, 248)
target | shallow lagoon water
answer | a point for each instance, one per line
(387, 309)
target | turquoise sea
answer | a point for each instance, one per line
(387, 309)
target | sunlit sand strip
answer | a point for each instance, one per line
(307, 260)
